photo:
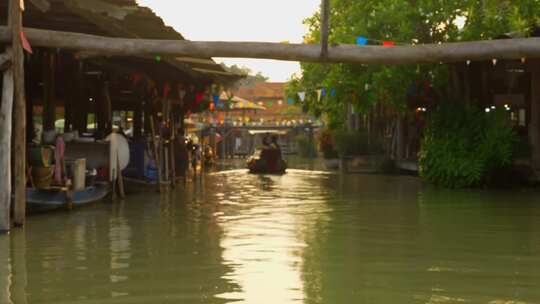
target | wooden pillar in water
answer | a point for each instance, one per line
(19, 113)
(6, 109)
(49, 104)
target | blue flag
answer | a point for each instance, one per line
(361, 40)
(216, 99)
(332, 92)
(290, 101)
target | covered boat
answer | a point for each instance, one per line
(267, 161)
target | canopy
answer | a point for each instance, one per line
(240, 104)
(276, 132)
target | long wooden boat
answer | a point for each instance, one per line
(38, 199)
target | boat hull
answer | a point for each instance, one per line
(51, 199)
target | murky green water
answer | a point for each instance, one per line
(306, 237)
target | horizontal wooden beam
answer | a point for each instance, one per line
(413, 54)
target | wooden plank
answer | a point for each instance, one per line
(325, 16)
(426, 53)
(19, 114)
(6, 108)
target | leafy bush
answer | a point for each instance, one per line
(306, 147)
(465, 146)
(357, 143)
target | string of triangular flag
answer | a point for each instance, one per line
(361, 40)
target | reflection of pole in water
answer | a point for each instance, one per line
(14, 260)
(5, 269)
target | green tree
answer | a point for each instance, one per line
(405, 22)
(250, 78)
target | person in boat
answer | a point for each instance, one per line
(274, 145)
(266, 141)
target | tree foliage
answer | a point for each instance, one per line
(405, 22)
(250, 79)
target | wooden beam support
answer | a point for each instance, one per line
(6, 110)
(325, 16)
(412, 54)
(19, 113)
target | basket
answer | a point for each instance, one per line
(42, 176)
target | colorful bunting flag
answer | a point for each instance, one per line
(216, 99)
(319, 95)
(302, 96)
(25, 43)
(323, 92)
(166, 90)
(388, 43)
(332, 92)
(290, 100)
(361, 40)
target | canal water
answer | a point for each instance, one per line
(305, 237)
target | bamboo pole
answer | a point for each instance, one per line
(19, 114)
(409, 54)
(6, 109)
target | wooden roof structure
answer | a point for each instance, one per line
(117, 19)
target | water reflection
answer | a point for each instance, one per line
(264, 225)
(305, 237)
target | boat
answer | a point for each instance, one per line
(56, 197)
(267, 161)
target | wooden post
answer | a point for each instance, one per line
(156, 152)
(6, 108)
(49, 83)
(173, 155)
(19, 114)
(325, 14)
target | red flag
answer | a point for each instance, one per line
(135, 78)
(25, 43)
(166, 90)
(388, 43)
(199, 97)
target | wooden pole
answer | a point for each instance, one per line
(173, 155)
(49, 85)
(325, 13)
(409, 54)
(6, 109)
(19, 114)
(156, 152)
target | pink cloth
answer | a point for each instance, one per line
(60, 148)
